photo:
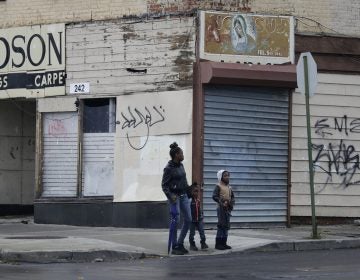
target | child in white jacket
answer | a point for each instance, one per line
(224, 196)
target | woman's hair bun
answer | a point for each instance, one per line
(173, 145)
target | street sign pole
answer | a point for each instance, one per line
(311, 169)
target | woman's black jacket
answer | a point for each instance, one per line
(174, 179)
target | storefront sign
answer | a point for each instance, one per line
(246, 38)
(32, 59)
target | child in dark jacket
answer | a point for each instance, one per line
(197, 221)
(224, 196)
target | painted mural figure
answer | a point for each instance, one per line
(246, 38)
(224, 196)
(176, 189)
(242, 40)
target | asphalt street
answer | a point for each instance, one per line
(338, 264)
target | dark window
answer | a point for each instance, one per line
(98, 115)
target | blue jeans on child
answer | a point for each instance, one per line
(221, 233)
(223, 223)
(183, 207)
(200, 227)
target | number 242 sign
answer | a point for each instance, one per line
(78, 88)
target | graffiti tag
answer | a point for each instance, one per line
(57, 127)
(323, 127)
(339, 159)
(146, 117)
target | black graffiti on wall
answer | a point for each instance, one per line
(135, 117)
(339, 159)
(324, 126)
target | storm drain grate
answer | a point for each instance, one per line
(35, 237)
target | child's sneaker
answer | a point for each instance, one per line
(182, 248)
(204, 246)
(193, 247)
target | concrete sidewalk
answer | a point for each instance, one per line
(23, 241)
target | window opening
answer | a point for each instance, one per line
(99, 115)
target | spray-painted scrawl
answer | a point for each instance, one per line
(135, 117)
(338, 157)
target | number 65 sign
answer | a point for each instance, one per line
(78, 88)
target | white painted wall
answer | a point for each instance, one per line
(337, 172)
(141, 153)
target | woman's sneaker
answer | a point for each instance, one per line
(176, 251)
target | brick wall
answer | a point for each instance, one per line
(25, 12)
(123, 57)
(319, 16)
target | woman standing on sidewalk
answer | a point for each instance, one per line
(175, 187)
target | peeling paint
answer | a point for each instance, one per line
(128, 28)
(180, 41)
(184, 61)
(130, 35)
(169, 7)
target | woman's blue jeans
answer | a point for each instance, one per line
(183, 207)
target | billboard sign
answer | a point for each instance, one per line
(32, 61)
(246, 38)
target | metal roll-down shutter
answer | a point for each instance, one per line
(60, 154)
(246, 133)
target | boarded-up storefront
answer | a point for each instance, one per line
(245, 129)
(103, 148)
(32, 65)
(244, 97)
(246, 133)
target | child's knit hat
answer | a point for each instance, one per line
(219, 174)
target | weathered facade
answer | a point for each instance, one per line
(93, 152)
(140, 81)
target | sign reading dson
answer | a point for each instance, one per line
(32, 59)
(246, 38)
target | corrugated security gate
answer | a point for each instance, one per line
(60, 151)
(246, 133)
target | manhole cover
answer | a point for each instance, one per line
(35, 237)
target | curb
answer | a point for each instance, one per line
(44, 257)
(308, 245)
